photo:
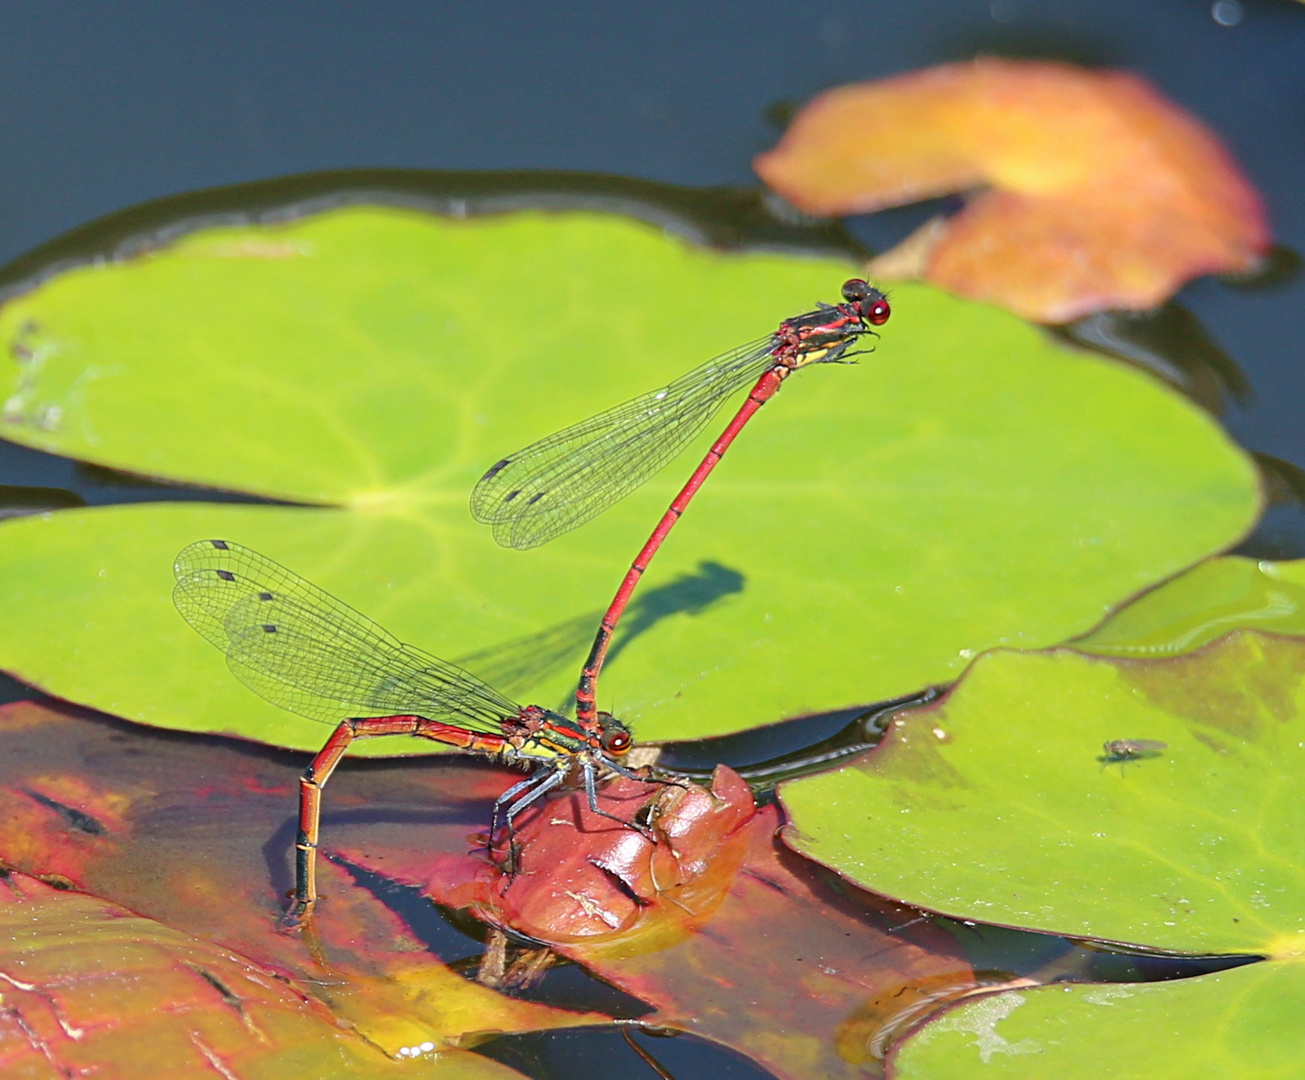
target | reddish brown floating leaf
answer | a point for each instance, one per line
(92, 989)
(198, 835)
(1099, 192)
(584, 878)
(724, 935)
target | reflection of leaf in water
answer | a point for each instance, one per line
(514, 667)
(1169, 341)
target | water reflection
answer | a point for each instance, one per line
(1170, 342)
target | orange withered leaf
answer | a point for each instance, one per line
(1087, 189)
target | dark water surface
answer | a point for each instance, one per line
(105, 107)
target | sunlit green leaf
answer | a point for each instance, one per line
(997, 804)
(968, 485)
(1242, 1024)
(1003, 804)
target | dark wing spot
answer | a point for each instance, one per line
(495, 469)
(511, 495)
(226, 575)
(265, 596)
(221, 545)
(535, 498)
(269, 628)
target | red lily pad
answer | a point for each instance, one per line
(719, 930)
(725, 933)
(92, 989)
(1095, 191)
(197, 836)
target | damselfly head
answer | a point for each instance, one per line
(615, 737)
(869, 302)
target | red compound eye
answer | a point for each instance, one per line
(617, 742)
(879, 312)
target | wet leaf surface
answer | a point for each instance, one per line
(1097, 192)
(1205, 603)
(725, 933)
(378, 360)
(999, 804)
(197, 834)
(93, 989)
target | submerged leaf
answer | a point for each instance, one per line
(724, 933)
(721, 931)
(1209, 601)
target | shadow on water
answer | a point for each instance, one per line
(603, 1052)
(516, 666)
(1279, 535)
(19, 500)
(1280, 266)
(803, 745)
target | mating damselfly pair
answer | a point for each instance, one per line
(306, 651)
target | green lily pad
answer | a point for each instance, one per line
(1243, 1023)
(1208, 601)
(1002, 804)
(997, 805)
(378, 360)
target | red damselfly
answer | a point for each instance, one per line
(562, 481)
(302, 649)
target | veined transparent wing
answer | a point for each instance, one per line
(560, 482)
(300, 648)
